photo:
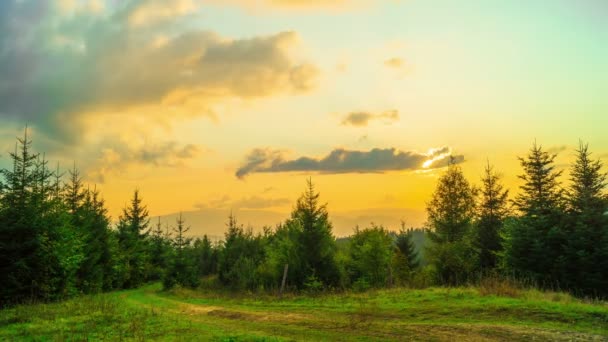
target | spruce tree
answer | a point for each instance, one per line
(159, 246)
(181, 270)
(405, 258)
(491, 213)
(317, 245)
(94, 226)
(587, 244)
(39, 252)
(240, 257)
(132, 239)
(534, 249)
(206, 256)
(450, 218)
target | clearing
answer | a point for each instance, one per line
(434, 314)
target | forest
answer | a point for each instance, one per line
(57, 240)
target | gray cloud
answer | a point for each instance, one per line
(346, 161)
(119, 157)
(360, 119)
(56, 66)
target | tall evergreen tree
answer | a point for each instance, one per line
(317, 244)
(491, 213)
(159, 248)
(535, 243)
(96, 271)
(450, 218)
(132, 239)
(240, 257)
(587, 244)
(181, 269)
(38, 250)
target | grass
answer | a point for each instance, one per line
(487, 313)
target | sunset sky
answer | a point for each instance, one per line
(219, 105)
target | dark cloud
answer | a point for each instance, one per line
(57, 66)
(346, 161)
(360, 119)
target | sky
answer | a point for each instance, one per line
(213, 106)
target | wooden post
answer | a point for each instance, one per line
(284, 280)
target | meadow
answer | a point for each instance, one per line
(485, 313)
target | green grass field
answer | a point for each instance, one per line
(434, 314)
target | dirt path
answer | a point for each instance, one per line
(328, 324)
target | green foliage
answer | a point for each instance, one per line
(160, 248)
(586, 250)
(56, 239)
(405, 258)
(181, 270)
(206, 256)
(451, 212)
(132, 240)
(371, 252)
(537, 236)
(240, 257)
(316, 244)
(491, 213)
(39, 249)
(88, 215)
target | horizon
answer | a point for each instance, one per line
(213, 106)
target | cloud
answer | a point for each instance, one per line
(251, 202)
(300, 5)
(360, 119)
(60, 63)
(340, 160)
(119, 157)
(394, 62)
(152, 11)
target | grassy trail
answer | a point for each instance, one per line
(434, 314)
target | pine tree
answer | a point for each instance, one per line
(587, 244)
(536, 238)
(206, 256)
(132, 239)
(39, 252)
(159, 246)
(317, 244)
(181, 270)
(450, 218)
(94, 226)
(405, 258)
(492, 211)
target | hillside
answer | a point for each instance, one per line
(434, 314)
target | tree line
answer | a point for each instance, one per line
(57, 239)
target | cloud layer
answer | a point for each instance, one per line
(60, 60)
(360, 119)
(340, 160)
